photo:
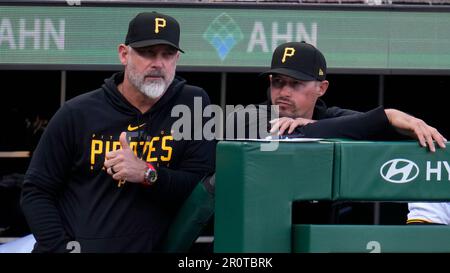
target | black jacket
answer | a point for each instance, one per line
(67, 195)
(321, 111)
(333, 122)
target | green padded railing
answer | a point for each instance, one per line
(361, 172)
(370, 239)
(255, 189)
(191, 219)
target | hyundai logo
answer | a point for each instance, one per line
(399, 171)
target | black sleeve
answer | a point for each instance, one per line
(198, 160)
(321, 111)
(334, 112)
(44, 181)
(371, 125)
(175, 185)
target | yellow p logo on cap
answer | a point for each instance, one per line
(288, 52)
(159, 22)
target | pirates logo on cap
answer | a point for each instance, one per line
(159, 22)
(298, 60)
(152, 28)
(288, 52)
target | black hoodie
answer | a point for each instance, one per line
(67, 195)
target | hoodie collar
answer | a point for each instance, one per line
(320, 110)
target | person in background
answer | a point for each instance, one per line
(421, 213)
(297, 81)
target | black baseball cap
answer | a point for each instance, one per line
(298, 60)
(152, 28)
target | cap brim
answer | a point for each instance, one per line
(153, 42)
(290, 73)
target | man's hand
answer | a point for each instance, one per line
(123, 164)
(415, 128)
(281, 124)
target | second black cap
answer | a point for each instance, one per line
(299, 60)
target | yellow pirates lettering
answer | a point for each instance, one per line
(107, 149)
(151, 149)
(155, 149)
(288, 52)
(166, 148)
(116, 145)
(133, 147)
(96, 149)
(121, 182)
(159, 22)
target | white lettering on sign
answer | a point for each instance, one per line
(36, 34)
(280, 34)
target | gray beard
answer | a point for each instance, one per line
(153, 90)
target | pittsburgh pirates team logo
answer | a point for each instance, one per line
(159, 23)
(288, 52)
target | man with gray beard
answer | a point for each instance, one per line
(153, 88)
(108, 175)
